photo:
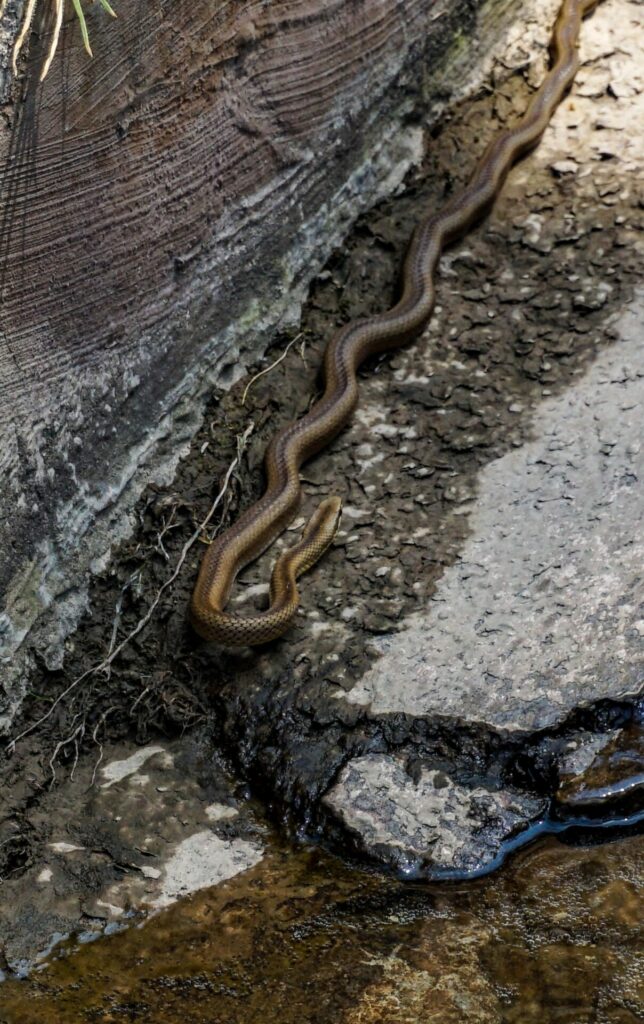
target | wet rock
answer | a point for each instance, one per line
(580, 752)
(431, 823)
(604, 775)
(133, 833)
(201, 860)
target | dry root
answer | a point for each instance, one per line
(114, 650)
(59, 10)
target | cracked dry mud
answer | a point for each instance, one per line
(476, 623)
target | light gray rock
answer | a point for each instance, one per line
(542, 611)
(580, 752)
(433, 825)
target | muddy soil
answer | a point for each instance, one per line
(521, 314)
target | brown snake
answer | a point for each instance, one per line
(268, 517)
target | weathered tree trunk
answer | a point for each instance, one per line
(164, 206)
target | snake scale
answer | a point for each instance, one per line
(256, 528)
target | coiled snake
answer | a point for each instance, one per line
(267, 518)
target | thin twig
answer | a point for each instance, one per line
(72, 738)
(267, 369)
(116, 620)
(139, 699)
(100, 722)
(170, 525)
(142, 623)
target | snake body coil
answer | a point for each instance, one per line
(266, 519)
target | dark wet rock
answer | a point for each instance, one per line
(429, 823)
(604, 775)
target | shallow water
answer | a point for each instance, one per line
(553, 937)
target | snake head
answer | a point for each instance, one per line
(330, 512)
(318, 533)
(317, 536)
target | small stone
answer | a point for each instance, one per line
(433, 825)
(150, 872)
(562, 167)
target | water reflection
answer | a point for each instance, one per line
(555, 936)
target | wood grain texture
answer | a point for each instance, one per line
(186, 182)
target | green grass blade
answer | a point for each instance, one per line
(107, 7)
(83, 25)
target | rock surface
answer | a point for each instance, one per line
(165, 206)
(429, 824)
(125, 835)
(542, 610)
